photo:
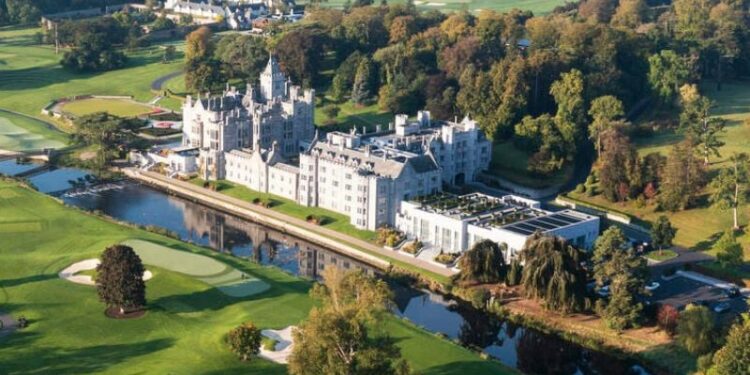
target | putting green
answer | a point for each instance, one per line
(225, 278)
(20, 133)
(117, 107)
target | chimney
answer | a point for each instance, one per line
(378, 128)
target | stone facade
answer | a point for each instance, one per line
(279, 113)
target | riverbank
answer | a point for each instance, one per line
(350, 246)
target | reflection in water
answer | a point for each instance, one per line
(526, 349)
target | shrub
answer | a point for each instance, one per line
(479, 297)
(388, 236)
(446, 258)
(580, 188)
(413, 247)
(244, 341)
(269, 344)
(666, 318)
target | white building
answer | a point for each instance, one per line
(279, 113)
(455, 223)
(362, 181)
(263, 171)
(197, 9)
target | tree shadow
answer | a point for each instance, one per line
(7, 283)
(30, 359)
(708, 243)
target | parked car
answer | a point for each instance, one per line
(652, 286)
(732, 292)
(722, 307)
(603, 291)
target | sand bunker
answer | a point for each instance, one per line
(284, 344)
(85, 265)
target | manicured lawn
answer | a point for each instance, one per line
(332, 220)
(184, 328)
(660, 256)
(537, 6)
(511, 163)
(353, 115)
(19, 133)
(31, 76)
(117, 107)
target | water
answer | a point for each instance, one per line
(528, 350)
(11, 167)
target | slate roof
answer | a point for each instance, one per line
(388, 167)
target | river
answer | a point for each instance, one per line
(525, 349)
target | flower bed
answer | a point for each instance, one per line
(446, 258)
(412, 247)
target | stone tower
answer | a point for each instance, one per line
(272, 81)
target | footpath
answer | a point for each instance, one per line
(356, 248)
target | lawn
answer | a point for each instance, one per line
(537, 6)
(21, 133)
(332, 220)
(117, 107)
(31, 76)
(699, 228)
(661, 256)
(184, 328)
(353, 115)
(511, 163)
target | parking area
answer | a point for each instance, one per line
(680, 291)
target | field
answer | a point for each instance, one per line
(699, 228)
(537, 6)
(187, 319)
(511, 163)
(117, 107)
(31, 76)
(20, 133)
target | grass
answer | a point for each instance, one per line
(537, 6)
(353, 115)
(700, 227)
(31, 76)
(661, 256)
(511, 163)
(117, 107)
(184, 328)
(332, 220)
(21, 133)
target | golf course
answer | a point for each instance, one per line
(193, 300)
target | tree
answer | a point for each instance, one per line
(630, 14)
(700, 126)
(331, 111)
(729, 251)
(362, 88)
(729, 188)
(682, 178)
(667, 72)
(696, 329)
(169, 54)
(198, 44)
(300, 54)
(202, 75)
(242, 56)
(110, 134)
(119, 280)
(337, 338)
(245, 340)
(553, 273)
(604, 111)
(667, 317)
(615, 261)
(620, 169)
(662, 233)
(514, 273)
(483, 263)
(734, 357)
(568, 94)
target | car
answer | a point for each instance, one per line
(722, 307)
(732, 292)
(603, 291)
(652, 286)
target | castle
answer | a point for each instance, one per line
(277, 115)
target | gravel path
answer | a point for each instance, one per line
(159, 82)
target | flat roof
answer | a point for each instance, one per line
(546, 223)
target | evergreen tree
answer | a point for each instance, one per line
(682, 179)
(734, 357)
(701, 127)
(696, 329)
(570, 116)
(362, 88)
(119, 280)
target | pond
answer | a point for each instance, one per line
(526, 349)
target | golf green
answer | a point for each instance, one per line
(21, 133)
(227, 279)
